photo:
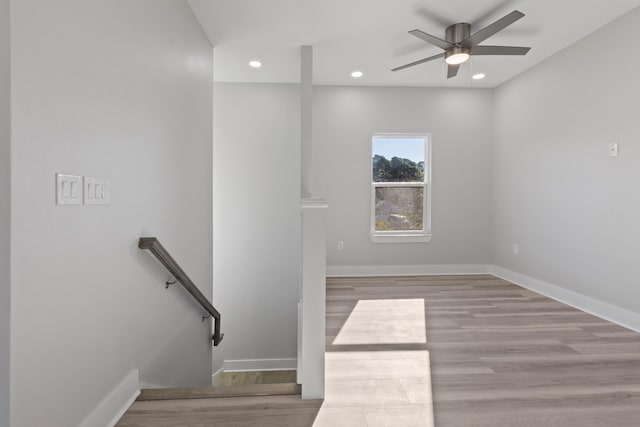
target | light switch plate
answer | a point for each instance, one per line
(96, 191)
(68, 189)
(613, 149)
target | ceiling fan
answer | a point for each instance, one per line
(459, 44)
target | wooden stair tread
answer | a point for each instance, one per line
(226, 391)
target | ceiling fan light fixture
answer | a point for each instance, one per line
(457, 55)
(459, 43)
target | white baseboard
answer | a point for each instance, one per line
(216, 375)
(604, 310)
(406, 270)
(115, 404)
(260, 365)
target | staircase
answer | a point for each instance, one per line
(253, 400)
(269, 398)
(232, 384)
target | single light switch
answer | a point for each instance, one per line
(96, 191)
(613, 149)
(68, 189)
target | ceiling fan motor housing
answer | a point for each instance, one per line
(457, 33)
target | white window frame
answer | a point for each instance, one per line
(404, 236)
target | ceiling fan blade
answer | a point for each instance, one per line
(499, 50)
(452, 70)
(502, 23)
(422, 61)
(442, 44)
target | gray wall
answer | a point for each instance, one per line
(257, 219)
(120, 90)
(5, 208)
(460, 122)
(573, 210)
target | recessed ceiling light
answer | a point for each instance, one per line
(255, 64)
(478, 76)
(357, 74)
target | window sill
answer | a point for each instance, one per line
(401, 238)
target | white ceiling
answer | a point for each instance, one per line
(371, 36)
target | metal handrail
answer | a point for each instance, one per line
(154, 246)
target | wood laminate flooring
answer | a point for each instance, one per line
(256, 377)
(445, 351)
(219, 391)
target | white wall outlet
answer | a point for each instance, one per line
(96, 191)
(340, 245)
(68, 189)
(515, 249)
(613, 149)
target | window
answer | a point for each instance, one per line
(400, 188)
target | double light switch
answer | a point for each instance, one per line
(68, 189)
(78, 190)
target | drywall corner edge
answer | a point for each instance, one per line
(216, 375)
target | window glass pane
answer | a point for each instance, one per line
(398, 159)
(399, 208)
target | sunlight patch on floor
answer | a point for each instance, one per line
(377, 388)
(389, 321)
